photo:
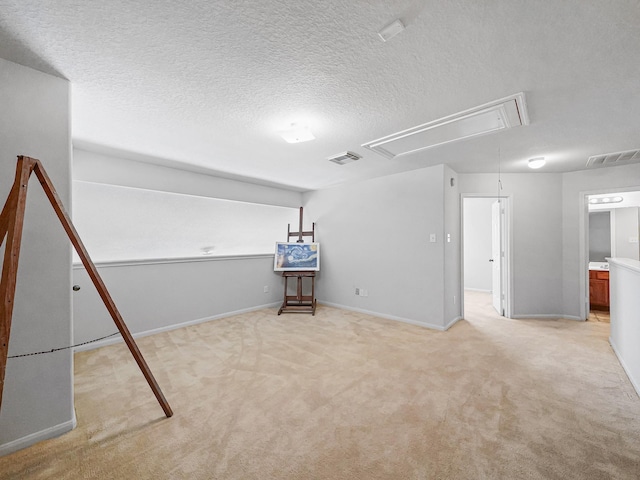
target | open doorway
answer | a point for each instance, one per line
(485, 252)
(612, 225)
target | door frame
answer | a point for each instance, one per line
(507, 238)
(583, 247)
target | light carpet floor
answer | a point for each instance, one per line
(343, 395)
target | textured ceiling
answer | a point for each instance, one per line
(209, 84)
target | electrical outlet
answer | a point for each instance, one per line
(357, 291)
(266, 289)
(364, 292)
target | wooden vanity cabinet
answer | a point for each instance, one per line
(599, 289)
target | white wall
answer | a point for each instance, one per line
(123, 223)
(375, 235)
(38, 396)
(477, 220)
(575, 185)
(536, 224)
(625, 321)
(100, 168)
(159, 296)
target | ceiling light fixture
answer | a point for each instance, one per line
(538, 162)
(391, 30)
(297, 134)
(501, 114)
(601, 200)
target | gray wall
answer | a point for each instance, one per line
(626, 228)
(599, 236)
(154, 296)
(38, 390)
(575, 185)
(159, 296)
(375, 235)
(452, 245)
(536, 224)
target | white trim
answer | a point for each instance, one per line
(482, 290)
(551, 316)
(393, 317)
(507, 233)
(36, 437)
(157, 261)
(635, 383)
(452, 323)
(167, 328)
(626, 263)
(583, 244)
(509, 112)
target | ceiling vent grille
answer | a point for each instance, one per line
(344, 158)
(617, 158)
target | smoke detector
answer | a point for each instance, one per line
(344, 158)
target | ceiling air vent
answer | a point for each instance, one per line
(344, 158)
(501, 114)
(617, 158)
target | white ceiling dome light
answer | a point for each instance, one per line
(297, 134)
(537, 162)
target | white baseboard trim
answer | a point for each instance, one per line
(452, 323)
(482, 290)
(36, 437)
(550, 316)
(391, 317)
(627, 370)
(118, 338)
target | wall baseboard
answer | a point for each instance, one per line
(118, 338)
(549, 316)
(36, 437)
(634, 382)
(452, 323)
(440, 328)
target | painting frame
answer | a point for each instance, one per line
(297, 257)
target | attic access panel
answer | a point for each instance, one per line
(505, 113)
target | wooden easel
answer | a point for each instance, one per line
(11, 224)
(300, 303)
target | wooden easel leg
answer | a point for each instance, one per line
(4, 215)
(64, 218)
(11, 223)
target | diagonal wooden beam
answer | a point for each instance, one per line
(11, 222)
(6, 210)
(64, 218)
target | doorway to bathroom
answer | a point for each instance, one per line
(612, 230)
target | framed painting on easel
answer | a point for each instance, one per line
(296, 257)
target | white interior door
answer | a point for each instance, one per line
(496, 258)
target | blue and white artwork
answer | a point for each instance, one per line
(297, 257)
